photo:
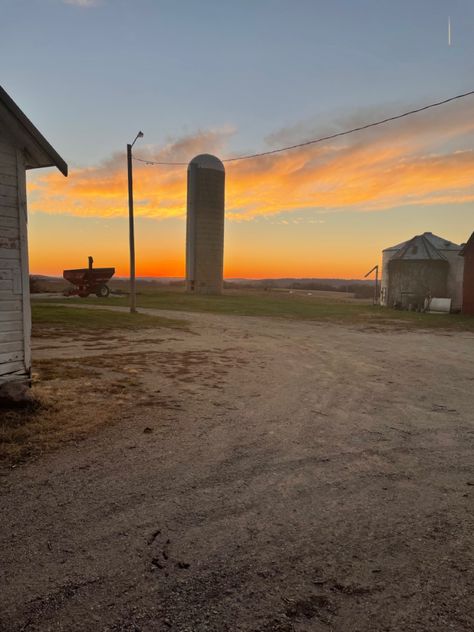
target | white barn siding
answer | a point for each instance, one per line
(22, 146)
(15, 325)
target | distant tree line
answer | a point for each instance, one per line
(362, 289)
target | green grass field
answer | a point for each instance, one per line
(258, 303)
(48, 315)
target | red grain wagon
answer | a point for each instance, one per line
(89, 280)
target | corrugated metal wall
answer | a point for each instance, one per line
(411, 281)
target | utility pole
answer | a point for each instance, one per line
(131, 227)
(376, 288)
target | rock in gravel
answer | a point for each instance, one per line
(183, 565)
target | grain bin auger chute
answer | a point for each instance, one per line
(205, 225)
(376, 287)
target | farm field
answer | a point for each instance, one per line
(308, 305)
(251, 463)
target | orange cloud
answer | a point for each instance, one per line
(421, 160)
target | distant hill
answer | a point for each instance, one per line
(40, 283)
(290, 281)
(280, 282)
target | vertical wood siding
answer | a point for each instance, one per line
(12, 271)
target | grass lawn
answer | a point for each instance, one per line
(60, 384)
(49, 315)
(285, 305)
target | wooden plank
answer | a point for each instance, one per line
(9, 264)
(10, 284)
(7, 199)
(5, 157)
(9, 253)
(11, 356)
(12, 243)
(6, 161)
(10, 316)
(12, 327)
(7, 148)
(6, 274)
(9, 233)
(8, 169)
(15, 346)
(11, 336)
(8, 179)
(8, 222)
(23, 218)
(8, 368)
(17, 282)
(6, 284)
(10, 305)
(7, 190)
(8, 210)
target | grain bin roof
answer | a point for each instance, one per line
(38, 152)
(419, 248)
(439, 243)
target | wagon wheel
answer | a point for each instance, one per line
(103, 291)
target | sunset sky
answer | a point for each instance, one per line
(231, 77)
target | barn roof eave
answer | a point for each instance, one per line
(53, 158)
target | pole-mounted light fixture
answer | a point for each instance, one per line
(139, 135)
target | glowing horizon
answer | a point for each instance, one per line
(418, 163)
(269, 76)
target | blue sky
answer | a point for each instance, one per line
(93, 75)
(260, 73)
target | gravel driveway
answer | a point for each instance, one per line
(273, 475)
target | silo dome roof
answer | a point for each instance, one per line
(207, 161)
(439, 243)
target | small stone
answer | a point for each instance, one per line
(183, 565)
(147, 430)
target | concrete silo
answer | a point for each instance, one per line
(205, 225)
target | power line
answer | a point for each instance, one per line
(324, 138)
(154, 162)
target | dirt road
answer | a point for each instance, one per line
(272, 475)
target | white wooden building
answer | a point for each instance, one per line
(22, 147)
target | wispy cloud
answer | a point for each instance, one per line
(424, 160)
(82, 3)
